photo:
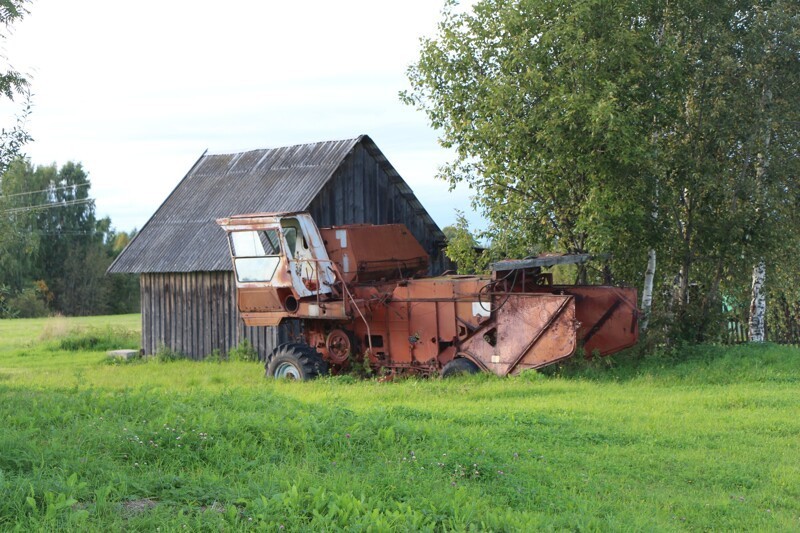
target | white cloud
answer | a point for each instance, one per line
(137, 91)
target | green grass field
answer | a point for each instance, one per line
(707, 439)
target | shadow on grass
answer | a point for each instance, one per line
(711, 364)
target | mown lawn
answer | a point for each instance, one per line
(705, 439)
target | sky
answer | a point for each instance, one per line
(137, 91)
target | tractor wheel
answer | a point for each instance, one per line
(295, 361)
(459, 366)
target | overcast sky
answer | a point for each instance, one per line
(136, 91)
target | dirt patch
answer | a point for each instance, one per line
(139, 506)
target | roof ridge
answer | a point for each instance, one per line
(354, 140)
(181, 236)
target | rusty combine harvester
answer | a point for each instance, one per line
(362, 295)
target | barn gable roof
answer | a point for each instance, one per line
(182, 235)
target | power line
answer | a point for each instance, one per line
(47, 206)
(45, 190)
(61, 232)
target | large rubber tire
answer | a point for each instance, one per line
(458, 367)
(295, 361)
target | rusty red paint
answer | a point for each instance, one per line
(380, 307)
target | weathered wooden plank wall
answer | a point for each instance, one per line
(361, 192)
(195, 313)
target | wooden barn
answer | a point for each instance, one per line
(188, 296)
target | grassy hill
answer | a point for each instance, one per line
(707, 438)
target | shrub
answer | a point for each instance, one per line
(6, 311)
(31, 302)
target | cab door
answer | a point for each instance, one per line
(309, 265)
(256, 261)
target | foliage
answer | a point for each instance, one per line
(6, 311)
(165, 354)
(54, 236)
(13, 85)
(244, 352)
(615, 128)
(462, 247)
(679, 440)
(31, 302)
(544, 129)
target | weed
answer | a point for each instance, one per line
(165, 354)
(55, 327)
(214, 357)
(97, 339)
(244, 352)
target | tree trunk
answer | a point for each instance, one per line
(647, 291)
(683, 283)
(758, 304)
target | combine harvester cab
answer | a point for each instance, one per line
(362, 295)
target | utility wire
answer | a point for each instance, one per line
(45, 190)
(46, 206)
(64, 232)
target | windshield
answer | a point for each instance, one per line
(256, 254)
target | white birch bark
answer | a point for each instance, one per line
(758, 300)
(647, 291)
(649, 274)
(758, 304)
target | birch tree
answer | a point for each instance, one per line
(546, 105)
(567, 116)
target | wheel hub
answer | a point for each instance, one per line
(339, 346)
(287, 370)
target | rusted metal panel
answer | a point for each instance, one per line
(367, 252)
(528, 331)
(546, 260)
(608, 316)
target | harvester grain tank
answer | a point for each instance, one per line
(363, 296)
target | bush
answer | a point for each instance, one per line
(6, 311)
(30, 302)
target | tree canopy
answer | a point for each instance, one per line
(13, 86)
(620, 127)
(58, 251)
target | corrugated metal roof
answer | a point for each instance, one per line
(182, 235)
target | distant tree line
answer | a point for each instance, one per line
(54, 252)
(661, 135)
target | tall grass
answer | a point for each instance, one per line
(98, 339)
(704, 439)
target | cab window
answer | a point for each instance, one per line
(256, 254)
